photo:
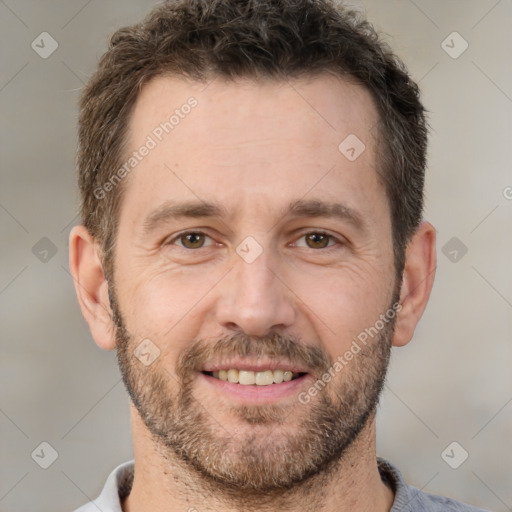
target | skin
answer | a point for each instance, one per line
(254, 148)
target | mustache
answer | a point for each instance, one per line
(313, 358)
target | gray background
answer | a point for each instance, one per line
(452, 383)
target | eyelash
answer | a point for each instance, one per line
(197, 232)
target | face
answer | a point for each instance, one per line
(250, 248)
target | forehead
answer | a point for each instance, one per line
(224, 140)
(328, 104)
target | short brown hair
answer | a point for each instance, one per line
(278, 39)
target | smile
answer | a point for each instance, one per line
(258, 378)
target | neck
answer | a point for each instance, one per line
(162, 482)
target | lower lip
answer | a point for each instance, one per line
(257, 394)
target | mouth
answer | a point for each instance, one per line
(255, 381)
(254, 378)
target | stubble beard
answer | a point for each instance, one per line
(274, 447)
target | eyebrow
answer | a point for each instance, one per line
(201, 209)
(173, 211)
(317, 208)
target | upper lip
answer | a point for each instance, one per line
(258, 365)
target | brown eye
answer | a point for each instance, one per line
(192, 240)
(317, 240)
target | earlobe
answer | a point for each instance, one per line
(91, 286)
(418, 279)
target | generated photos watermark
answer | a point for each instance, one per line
(151, 142)
(342, 360)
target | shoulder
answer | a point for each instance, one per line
(431, 503)
(116, 488)
(411, 499)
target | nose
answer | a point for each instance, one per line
(254, 298)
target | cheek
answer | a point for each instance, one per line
(342, 303)
(166, 305)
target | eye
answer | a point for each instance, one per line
(317, 240)
(190, 240)
(198, 240)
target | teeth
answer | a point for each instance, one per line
(264, 378)
(248, 378)
(278, 376)
(233, 376)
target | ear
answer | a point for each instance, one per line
(91, 286)
(418, 279)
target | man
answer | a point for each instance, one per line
(252, 245)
